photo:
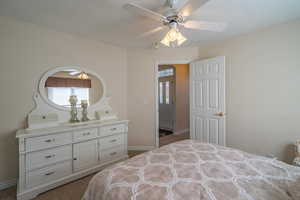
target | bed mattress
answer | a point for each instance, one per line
(192, 170)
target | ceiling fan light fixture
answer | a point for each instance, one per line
(172, 35)
(83, 76)
(165, 41)
(180, 39)
(173, 38)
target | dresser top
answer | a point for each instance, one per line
(24, 133)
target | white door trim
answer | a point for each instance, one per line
(156, 115)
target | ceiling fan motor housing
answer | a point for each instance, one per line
(174, 19)
(173, 25)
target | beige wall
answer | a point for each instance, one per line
(141, 89)
(26, 52)
(182, 114)
(182, 98)
(263, 89)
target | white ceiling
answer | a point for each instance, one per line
(106, 20)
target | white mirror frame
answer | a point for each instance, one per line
(50, 72)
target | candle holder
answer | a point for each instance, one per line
(84, 106)
(73, 112)
(297, 158)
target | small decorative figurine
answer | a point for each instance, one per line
(84, 105)
(73, 102)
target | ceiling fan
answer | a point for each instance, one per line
(79, 74)
(176, 19)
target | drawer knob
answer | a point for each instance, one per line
(85, 134)
(74, 158)
(50, 140)
(113, 129)
(113, 153)
(50, 156)
(50, 173)
(114, 140)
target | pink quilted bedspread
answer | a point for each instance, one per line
(190, 170)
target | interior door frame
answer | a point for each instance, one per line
(174, 94)
(156, 79)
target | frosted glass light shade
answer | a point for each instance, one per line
(180, 39)
(165, 41)
(173, 38)
(172, 35)
(83, 75)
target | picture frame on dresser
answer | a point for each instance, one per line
(53, 151)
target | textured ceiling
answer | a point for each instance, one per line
(106, 20)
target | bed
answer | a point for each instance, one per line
(192, 170)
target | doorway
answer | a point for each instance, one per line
(173, 103)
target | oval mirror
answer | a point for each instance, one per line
(61, 84)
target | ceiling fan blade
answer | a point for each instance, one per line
(145, 12)
(151, 31)
(204, 25)
(191, 6)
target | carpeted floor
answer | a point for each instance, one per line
(168, 139)
(70, 191)
(163, 133)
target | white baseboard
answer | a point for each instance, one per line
(8, 183)
(140, 148)
(182, 131)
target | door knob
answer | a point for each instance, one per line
(220, 114)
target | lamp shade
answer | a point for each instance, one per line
(83, 75)
(173, 38)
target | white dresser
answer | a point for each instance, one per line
(52, 150)
(50, 157)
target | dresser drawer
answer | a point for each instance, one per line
(48, 174)
(40, 159)
(48, 141)
(85, 134)
(110, 154)
(111, 141)
(110, 130)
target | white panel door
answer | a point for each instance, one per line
(85, 154)
(207, 100)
